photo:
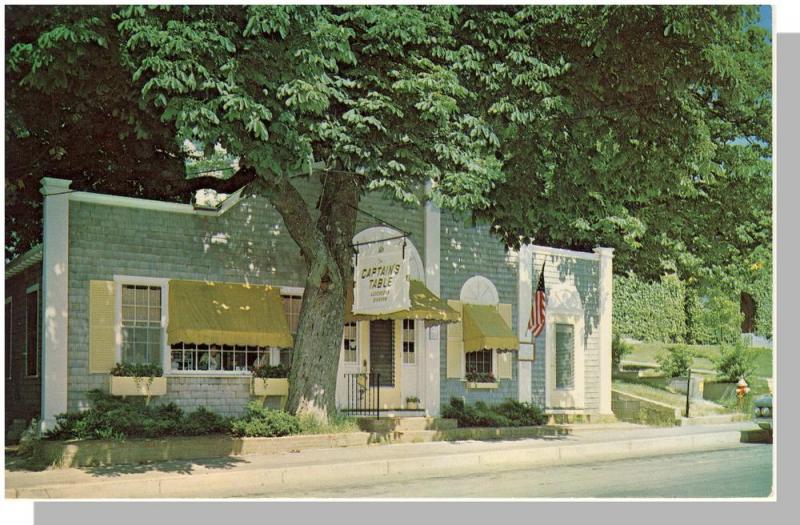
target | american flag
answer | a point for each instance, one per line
(536, 322)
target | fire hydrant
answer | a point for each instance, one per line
(742, 389)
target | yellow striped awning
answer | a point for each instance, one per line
(202, 312)
(484, 329)
(425, 305)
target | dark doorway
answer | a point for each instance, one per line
(381, 351)
(748, 308)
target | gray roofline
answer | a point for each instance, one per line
(24, 261)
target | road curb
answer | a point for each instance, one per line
(234, 483)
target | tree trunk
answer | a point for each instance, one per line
(326, 246)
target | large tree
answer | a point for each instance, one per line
(571, 126)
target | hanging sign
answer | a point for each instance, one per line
(381, 279)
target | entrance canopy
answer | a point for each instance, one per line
(484, 329)
(425, 306)
(227, 314)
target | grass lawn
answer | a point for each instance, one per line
(647, 352)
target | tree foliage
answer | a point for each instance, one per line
(643, 128)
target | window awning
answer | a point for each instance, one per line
(484, 328)
(228, 314)
(425, 305)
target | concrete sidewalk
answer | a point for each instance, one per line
(242, 475)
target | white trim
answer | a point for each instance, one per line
(429, 369)
(479, 290)
(133, 202)
(205, 373)
(120, 280)
(547, 250)
(605, 288)
(524, 299)
(561, 398)
(54, 300)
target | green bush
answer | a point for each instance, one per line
(337, 422)
(716, 319)
(649, 311)
(619, 349)
(509, 413)
(735, 362)
(136, 370)
(265, 422)
(114, 418)
(267, 371)
(676, 362)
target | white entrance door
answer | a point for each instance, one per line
(349, 358)
(412, 333)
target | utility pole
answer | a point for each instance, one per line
(688, 389)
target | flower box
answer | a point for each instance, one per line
(484, 386)
(138, 386)
(270, 386)
(412, 405)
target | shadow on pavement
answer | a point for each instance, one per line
(178, 467)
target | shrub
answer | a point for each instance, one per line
(113, 418)
(720, 319)
(676, 362)
(136, 370)
(619, 349)
(265, 422)
(507, 414)
(267, 371)
(337, 422)
(649, 311)
(479, 377)
(735, 362)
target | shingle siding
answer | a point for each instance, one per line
(467, 251)
(248, 243)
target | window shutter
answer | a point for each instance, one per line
(504, 359)
(455, 344)
(363, 345)
(102, 351)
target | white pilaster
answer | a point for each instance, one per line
(606, 310)
(55, 299)
(433, 230)
(524, 298)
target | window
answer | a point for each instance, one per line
(350, 343)
(32, 333)
(565, 352)
(226, 358)
(291, 308)
(479, 364)
(409, 341)
(9, 325)
(141, 325)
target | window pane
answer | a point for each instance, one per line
(141, 295)
(128, 295)
(565, 352)
(155, 297)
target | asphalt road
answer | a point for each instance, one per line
(743, 471)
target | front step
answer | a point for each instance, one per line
(405, 424)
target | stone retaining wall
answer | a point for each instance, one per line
(635, 409)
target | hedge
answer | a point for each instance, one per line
(649, 311)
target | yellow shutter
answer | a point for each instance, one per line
(102, 350)
(504, 359)
(455, 344)
(363, 345)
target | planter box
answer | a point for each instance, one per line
(412, 405)
(270, 386)
(137, 386)
(481, 386)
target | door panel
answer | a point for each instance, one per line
(381, 351)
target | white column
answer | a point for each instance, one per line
(606, 310)
(431, 366)
(524, 298)
(55, 277)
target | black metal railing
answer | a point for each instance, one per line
(363, 394)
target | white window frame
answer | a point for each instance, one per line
(358, 345)
(415, 340)
(9, 330)
(494, 365)
(30, 289)
(119, 281)
(479, 290)
(168, 371)
(564, 307)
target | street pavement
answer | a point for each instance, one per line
(741, 472)
(290, 474)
